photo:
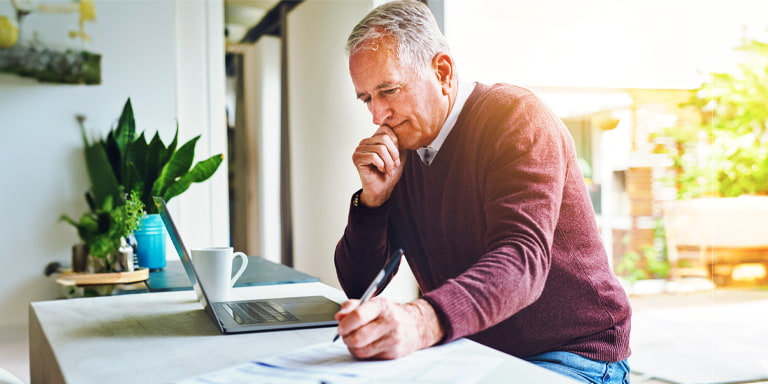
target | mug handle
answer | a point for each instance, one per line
(243, 265)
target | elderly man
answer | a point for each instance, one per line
(479, 184)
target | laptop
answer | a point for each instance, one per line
(252, 315)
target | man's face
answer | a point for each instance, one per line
(414, 108)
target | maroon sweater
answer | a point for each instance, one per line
(500, 235)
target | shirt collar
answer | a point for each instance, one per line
(465, 89)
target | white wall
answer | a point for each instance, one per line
(268, 115)
(326, 124)
(261, 128)
(42, 168)
(203, 210)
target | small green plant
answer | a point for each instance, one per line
(102, 228)
(650, 262)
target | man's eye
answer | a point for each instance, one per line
(390, 91)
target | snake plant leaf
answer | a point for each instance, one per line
(176, 176)
(113, 154)
(125, 162)
(159, 154)
(179, 164)
(172, 147)
(126, 127)
(118, 142)
(135, 164)
(143, 163)
(104, 184)
(136, 181)
(162, 154)
(90, 200)
(202, 171)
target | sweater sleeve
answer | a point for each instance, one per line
(522, 174)
(362, 250)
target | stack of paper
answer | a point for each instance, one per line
(331, 363)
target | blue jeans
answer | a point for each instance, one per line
(583, 369)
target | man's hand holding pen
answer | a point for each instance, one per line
(377, 328)
(382, 329)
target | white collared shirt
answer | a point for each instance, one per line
(428, 153)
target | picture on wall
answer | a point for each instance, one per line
(25, 52)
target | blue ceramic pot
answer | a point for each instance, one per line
(150, 242)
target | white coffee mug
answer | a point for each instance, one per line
(214, 268)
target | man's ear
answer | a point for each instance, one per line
(442, 64)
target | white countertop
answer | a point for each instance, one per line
(161, 337)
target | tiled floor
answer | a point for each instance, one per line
(653, 314)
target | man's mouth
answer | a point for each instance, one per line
(398, 125)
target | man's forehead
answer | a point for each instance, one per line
(372, 70)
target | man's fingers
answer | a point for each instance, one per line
(375, 156)
(385, 336)
(378, 151)
(356, 315)
(361, 324)
(347, 307)
(378, 349)
(391, 141)
(387, 131)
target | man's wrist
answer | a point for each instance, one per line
(429, 323)
(362, 198)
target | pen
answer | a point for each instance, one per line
(380, 279)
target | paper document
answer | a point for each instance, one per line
(331, 363)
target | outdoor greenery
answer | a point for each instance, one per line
(726, 155)
(650, 262)
(646, 264)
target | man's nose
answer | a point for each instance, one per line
(380, 112)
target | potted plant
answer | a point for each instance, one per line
(103, 231)
(123, 162)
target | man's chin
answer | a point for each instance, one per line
(403, 139)
(404, 144)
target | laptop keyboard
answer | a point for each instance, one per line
(258, 313)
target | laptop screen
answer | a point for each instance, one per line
(186, 261)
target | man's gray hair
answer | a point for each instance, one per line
(410, 23)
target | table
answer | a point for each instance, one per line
(173, 277)
(166, 336)
(259, 271)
